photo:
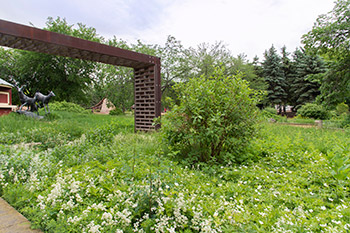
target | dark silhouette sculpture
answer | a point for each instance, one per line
(20, 93)
(44, 99)
(31, 103)
(26, 101)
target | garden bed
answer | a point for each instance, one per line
(103, 178)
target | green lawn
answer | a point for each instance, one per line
(90, 173)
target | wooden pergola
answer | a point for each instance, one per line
(147, 89)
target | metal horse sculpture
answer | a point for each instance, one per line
(26, 101)
(44, 99)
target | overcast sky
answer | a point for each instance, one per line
(245, 26)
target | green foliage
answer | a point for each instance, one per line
(346, 122)
(342, 108)
(274, 77)
(248, 71)
(69, 78)
(330, 33)
(329, 37)
(270, 110)
(116, 112)
(315, 111)
(298, 179)
(68, 107)
(215, 119)
(340, 164)
(305, 84)
(269, 113)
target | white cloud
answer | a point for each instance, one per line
(249, 26)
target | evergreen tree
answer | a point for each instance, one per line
(288, 72)
(274, 76)
(306, 85)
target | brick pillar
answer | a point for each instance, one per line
(147, 94)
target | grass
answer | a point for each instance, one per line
(98, 176)
(55, 129)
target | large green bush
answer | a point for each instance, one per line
(68, 106)
(214, 121)
(342, 108)
(116, 112)
(314, 111)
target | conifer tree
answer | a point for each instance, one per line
(274, 76)
(288, 71)
(306, 85)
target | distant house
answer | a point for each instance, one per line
(102, 107)
(5, 97)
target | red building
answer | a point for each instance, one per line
(5, 97)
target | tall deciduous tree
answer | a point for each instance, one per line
(69, 78)
(330, 37)
(241, 66)
(117, 83)
(206, 58)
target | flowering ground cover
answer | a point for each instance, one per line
(85, 173)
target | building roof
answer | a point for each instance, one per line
(3, 82)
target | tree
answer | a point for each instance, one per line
(174, 68)
(69, 78)
(274, 76)
(330, 37)
(206, 58)
(117, 83)
(241, 65)
(180, 64)
(113, 82)
(288, 71)
(305, 86)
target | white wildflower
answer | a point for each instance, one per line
(78, 198)
(262, 214)
(108, 217)
(336, 222)
(74, 186)
(93, 228)
(74, 220)
(124, 216)
(347, 226)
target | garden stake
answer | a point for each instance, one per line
(134, 154)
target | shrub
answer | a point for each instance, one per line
(269, 113)
(314, 111)
(342, 108)
(345, 122)
(116, 112)
(214, 121)
(68, 107)
(270, 110)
